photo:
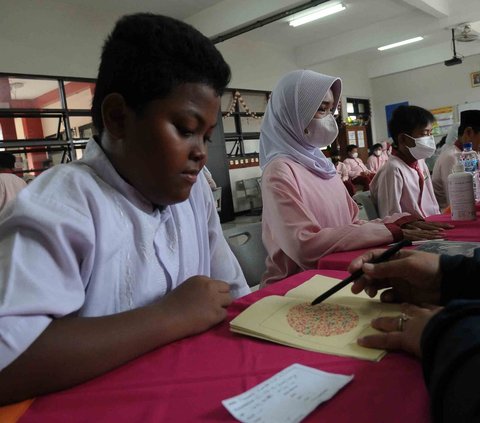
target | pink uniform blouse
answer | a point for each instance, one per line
(10, 186)
(396, 188)
(355, 167)
(306, 217)
(374, 163)
(342, 171)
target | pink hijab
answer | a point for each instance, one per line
(293, 103)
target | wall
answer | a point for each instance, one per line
(257, 66)
(430, 87)
(355, 81)
(47, 37)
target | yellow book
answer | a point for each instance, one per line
(331, 327)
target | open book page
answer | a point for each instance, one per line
(449, 248)
(331, 327)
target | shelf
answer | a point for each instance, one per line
(243, 161)
(40, 143)
(233, 136)
(243, 114)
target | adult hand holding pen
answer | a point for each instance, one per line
(411, 276)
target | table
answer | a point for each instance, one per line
(185, 381)
(467, 231)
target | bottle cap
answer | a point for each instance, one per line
(467, 146)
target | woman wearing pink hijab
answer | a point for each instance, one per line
(307, 211)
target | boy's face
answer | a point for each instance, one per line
(404, 141)
(164, 148)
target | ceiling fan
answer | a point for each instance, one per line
(455, 60)
(466, 34)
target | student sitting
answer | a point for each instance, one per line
(109, 257)
(386, 148)
(307, 212)
(357, 171)
(10, 184)
(469, 131)
(377, 159)
(342, 171)
(403, 184)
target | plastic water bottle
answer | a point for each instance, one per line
(460, 192)
(469, 159)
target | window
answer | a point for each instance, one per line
(44, 119)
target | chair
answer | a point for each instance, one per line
(365, 200)
(217, 196)
(252, 193)
(246, 243)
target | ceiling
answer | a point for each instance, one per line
(354, 33)
(359, 30)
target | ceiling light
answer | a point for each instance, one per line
(400, 43)
(317, 14)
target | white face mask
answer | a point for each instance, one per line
(424, 147)
(353, 155)
(377, 153)
(321, 132)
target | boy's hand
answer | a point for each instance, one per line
(199, 303)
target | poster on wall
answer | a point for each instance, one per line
(361, 139)
(443, 120)
(390, 108)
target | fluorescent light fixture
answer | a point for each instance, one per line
(400, 43)
(317, 14)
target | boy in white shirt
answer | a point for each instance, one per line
(469, 131)
(109, 257)
(403, 184)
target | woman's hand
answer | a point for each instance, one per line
(420, 230)
(401, 333)
(427, 226)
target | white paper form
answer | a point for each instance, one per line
(289, 396)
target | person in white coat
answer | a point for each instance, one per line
(468, 131)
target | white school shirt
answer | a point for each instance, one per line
(443, 167)
(396, 189)
(80, 240)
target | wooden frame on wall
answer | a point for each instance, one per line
(475, 79)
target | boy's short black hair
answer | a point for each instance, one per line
(7, 160)
(147, 56)
(377, 146)
(351, 147)
(405, 119)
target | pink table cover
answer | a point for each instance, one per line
(187, 380)
(468, 231)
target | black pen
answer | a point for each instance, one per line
(355, 275)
